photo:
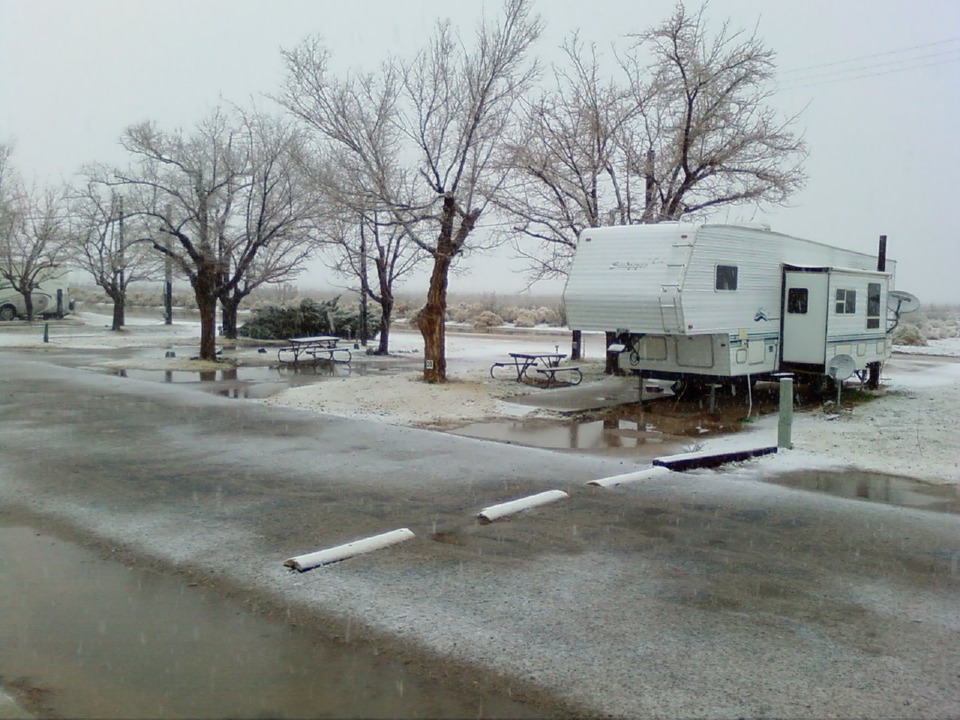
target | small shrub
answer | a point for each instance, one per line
(525, 318)
(909, 335)
(274, 322)
(486, 320)
(547, 316)
(460, 313)
(404, 308)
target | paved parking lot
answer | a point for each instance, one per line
(707, 594)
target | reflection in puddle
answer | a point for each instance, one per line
(246, 382)
(252, 381)
(610, 433)
(662, 427)
(87, 637)
(876, 487)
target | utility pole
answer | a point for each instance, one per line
(167, 275)
(363, 283)
(118, 306)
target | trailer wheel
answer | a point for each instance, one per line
(7, 313)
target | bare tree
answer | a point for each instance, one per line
(103, 247)
(708, 137)
(685, 127)
(566, 164)
(187, 183)
(567, 169)
(418, 140)
(359, 247)
(270, 236)
(33, 234)
(226, 195)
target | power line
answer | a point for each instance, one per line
(864, 73)
(862, 69)
(906, 63)
(869, 57)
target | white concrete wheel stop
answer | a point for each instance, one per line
(648, 474)
(494, 512)
(302, 563)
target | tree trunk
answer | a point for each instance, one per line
(28, 305)
(650, 188)
(432, 318)
(230, 308)
(386, 302)
(205, 289)
(119, 312)
(430, 321)
(576, 347)
(386, 317)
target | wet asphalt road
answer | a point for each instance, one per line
(704, 595)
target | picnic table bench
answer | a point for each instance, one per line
(312, 349)
(522, 362)
(550, 374)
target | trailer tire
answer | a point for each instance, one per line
(7, 313)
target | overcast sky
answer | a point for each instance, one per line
(882, 131)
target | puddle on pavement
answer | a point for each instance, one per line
(243, 381)
(575, 434)
(86, 637)
(661, 427)
(876, 487)
(248, 381)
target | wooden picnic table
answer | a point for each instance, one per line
(521, 362)
(312, 349)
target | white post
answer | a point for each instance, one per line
(786, 412)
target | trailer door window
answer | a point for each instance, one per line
(873, 306)
(797, 301)
(726, 277)
(846, 302)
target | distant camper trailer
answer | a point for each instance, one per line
(720, 302)
(50, 300)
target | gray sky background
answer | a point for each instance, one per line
(882, 132)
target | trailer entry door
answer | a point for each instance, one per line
(805, 315)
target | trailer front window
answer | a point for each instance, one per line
(726, 277)
(846, 302)
(873, 306)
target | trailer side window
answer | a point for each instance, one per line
(797, 301)
(873, 306)
(846, 302)
(726, 277)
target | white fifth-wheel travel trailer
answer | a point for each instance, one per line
(715, 302)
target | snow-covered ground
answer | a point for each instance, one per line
(909, 430)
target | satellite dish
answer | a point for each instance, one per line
(840, 367)
(902, 302)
